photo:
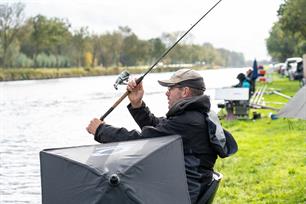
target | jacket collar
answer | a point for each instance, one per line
(199, 103)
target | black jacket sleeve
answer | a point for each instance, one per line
(143, 116)
(106, 133)
(163, 127)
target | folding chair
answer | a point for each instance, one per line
(209, 195)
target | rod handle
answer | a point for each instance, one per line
(115, 105)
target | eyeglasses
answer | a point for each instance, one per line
(173, 87)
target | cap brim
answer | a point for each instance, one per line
(166, 83)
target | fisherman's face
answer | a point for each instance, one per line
(174, 94)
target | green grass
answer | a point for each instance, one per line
(269, 166)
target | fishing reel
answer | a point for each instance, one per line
(122, 79)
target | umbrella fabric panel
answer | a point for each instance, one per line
(160, 177)
(112, 157)
(67, 182)
(148, 171)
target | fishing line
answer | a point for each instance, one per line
(157, 61)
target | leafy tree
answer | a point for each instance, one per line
(125, 30)
(280, 45)
(96, 48)
(111, 47)
(292, 20)
(63, 61)
(288, 35)
(11, 19)
(180, 54)
(209, 53)
(157, 48)
(23, 61)
(128, 56)
(170, 38)
(293, 17)
(25, 39)
(225, 57)
(81, 43)
(134, 51)
(49, 35)
(48, 42)
(12, 53)
(88, 59)
(41, 60)
(236, 59)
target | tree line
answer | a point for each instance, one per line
(288, 35)
(40, 41)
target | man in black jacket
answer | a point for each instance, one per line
(188, 109)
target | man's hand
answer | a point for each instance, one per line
(93, 125)
(136, 93)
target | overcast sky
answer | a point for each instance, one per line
(237, 25)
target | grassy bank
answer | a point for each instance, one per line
(12, 74)
(50, 73)
(270, 164)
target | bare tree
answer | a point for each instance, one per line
(11, 20)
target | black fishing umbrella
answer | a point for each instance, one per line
(255, 70)
(139, 171)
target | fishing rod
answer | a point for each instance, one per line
(153, 65)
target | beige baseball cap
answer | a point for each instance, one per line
(184, 78)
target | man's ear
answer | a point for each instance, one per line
(187, 92)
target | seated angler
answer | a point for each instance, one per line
(187, 116)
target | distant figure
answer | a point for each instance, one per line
(249, 73)
(252, 80)
(252, 75)
(243, 81)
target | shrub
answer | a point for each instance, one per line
(23, 61)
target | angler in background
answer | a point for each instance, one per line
(252, 80)
(243, 81)
(188, 116)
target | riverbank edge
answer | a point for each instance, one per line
(17, 74)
